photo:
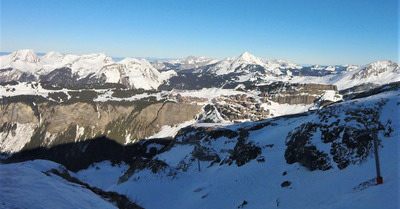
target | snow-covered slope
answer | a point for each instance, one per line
(141, 74)
(29, 185)
(378, 73)
(314, 160)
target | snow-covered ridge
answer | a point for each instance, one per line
(378, 73)
(190, 62)
(25, 65)
(376, 69)
(246, 62)
(130, 71)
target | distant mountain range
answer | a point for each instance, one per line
(66, 70)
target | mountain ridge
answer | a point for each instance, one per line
(25, 65)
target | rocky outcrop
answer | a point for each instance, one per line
(27, 125)
(329, 141)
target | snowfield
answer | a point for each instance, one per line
(26, 185)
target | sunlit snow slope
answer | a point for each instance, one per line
(249, 164)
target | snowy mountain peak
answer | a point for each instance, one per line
(130, 72)
(246, 57)
(25, 55)
(246, 63)
(128, 60)
(52, 56)
(383, 63)
(377, 69)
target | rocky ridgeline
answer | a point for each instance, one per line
(289, 93)
(33, 122)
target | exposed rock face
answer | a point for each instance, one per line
(358, 88)
(27, 125)
(17, 112)
(9, 75)
(341, 144)
(296, 93)
(237, 148)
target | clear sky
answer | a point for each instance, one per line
(301, 31)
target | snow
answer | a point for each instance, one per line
(24, 60)
(277, 109)
(177, 153)
(89, 63)
(106, 95)
(171, 131)
(222, 67)
(167, 75)
(103, 174)
(32, 88)
(139, 73)
(259, 184)
(112, 73)
(330, 95)
(14, 141)
(26, 185)
(215, 186)
(224, 186)
(79, 132)
(232, 64)
(187, 63)
(208, 93)
(345, 80)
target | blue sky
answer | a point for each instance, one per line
(301, 31)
